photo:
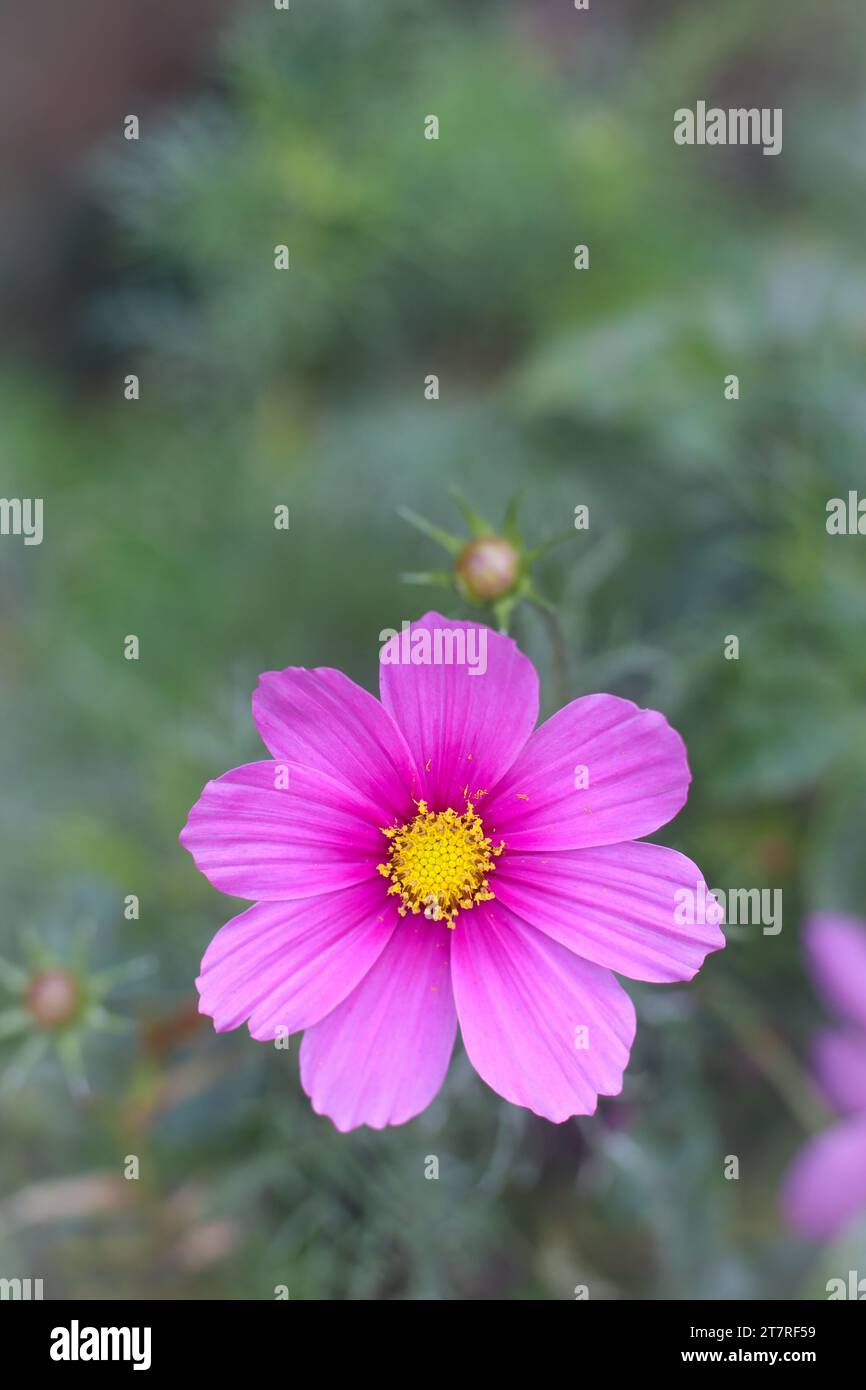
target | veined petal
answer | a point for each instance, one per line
(639, 909)
(541, 1026)
(323, 720)
(254, 837)
(380, 1057)
(465, 721)
(599, 772)
(284, 965)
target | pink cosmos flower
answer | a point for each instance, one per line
(826, 1184)
(430, 859)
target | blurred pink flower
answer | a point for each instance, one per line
(826, 1184)
(429, 858)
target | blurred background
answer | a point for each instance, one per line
(602, 387)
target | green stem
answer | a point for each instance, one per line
(559, 652)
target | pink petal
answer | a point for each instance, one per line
(836, 952)
(826, 1184)
(840, 1065)
(521, 999)
(322, 720)
(638, 778)
(618, 906)
(287, 964)
(254, 839)
(464, 728)
(382, 1055)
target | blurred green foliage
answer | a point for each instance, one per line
(602, 387)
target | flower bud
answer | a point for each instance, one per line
(487, 568)
(53, 998)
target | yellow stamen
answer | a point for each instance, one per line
(438, 863)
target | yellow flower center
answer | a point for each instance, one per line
(438, 863)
